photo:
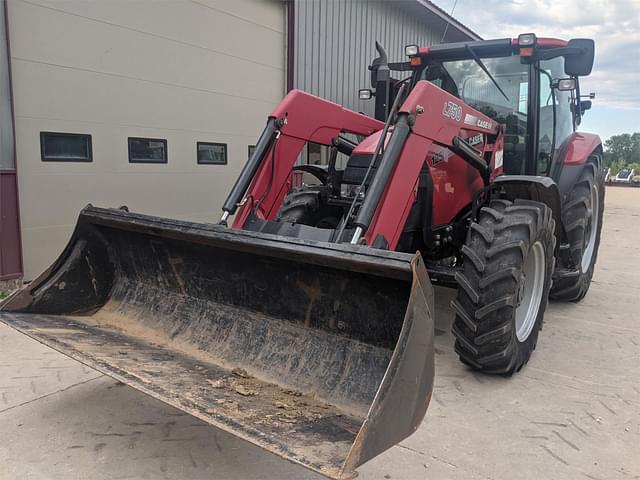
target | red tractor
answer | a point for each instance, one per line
(481, 170)
(307, 328)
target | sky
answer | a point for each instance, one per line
(613, 24)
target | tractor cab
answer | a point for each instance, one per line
(529, 85)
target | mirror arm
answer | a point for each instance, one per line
(400, 66)
(575, 102)
(558, 52)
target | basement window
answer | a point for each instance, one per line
(212, 153)
(147, 150)
(65, 147)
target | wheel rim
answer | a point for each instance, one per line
(592, 229)
(530, 292)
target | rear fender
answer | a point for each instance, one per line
(538, 189)
(574, 153)
(578, 147)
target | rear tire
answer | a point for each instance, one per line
(504, 285)
(582, 214)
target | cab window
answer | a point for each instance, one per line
(552, 70)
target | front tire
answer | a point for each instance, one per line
(582, 214)
(504, 285)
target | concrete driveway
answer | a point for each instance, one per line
(573, 412)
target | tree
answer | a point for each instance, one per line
(623, 148)
(616, 166)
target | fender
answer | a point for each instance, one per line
(574, 153)
(317, 171)
(538, 189)
(577, 148)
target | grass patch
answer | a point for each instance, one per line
(3, 294)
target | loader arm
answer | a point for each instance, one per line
(435, 117)
(303, 118)
(428, 116)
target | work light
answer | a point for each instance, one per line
(365, 94)
(565, 84)
(527, 40)
(411, 50)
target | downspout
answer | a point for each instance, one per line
(18, 275)
(291, 40)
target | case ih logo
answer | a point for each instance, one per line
(473, 120)
(452, 110)
(475, 140)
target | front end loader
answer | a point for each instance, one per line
(303, 320)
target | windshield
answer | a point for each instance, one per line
(466, 80)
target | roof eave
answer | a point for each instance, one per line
(445, 17)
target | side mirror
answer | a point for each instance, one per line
(365, 94)
(584, 106)
(580, 64)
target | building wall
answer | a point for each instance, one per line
(335, 42)
(184, 71)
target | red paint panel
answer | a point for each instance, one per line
(551, 43)
(10, 251)
(579, 146)
(543, 42)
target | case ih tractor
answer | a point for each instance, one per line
(306, 327)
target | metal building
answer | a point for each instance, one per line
(156, 104)
(335, 42)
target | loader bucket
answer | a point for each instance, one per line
(319, 353)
